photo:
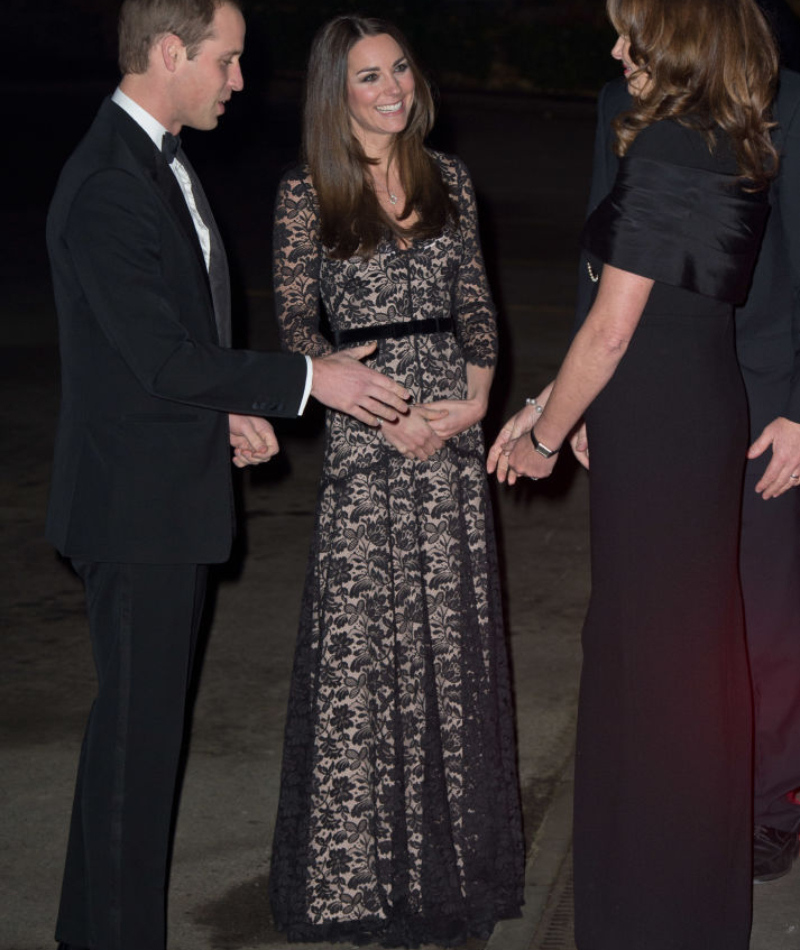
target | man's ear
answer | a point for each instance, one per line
(170, 50)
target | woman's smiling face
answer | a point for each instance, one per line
(380, 88)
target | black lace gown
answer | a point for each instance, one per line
(399, 818)
(663, 830)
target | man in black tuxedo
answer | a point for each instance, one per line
(768, 346)
(152, 400)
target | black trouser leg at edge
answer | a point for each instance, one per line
(143, 620)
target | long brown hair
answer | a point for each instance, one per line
(711, 63)
(352, 218)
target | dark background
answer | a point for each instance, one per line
(510, 45)
(522, 46)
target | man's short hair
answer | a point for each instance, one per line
(143, 22)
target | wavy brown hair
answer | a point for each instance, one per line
(352, 218)
(712, 64)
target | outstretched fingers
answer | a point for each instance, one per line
(341, 382)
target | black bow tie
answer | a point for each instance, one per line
(169, 146)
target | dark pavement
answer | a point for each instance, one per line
(530, 161)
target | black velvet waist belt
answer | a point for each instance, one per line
(392, 331)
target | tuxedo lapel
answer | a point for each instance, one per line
(156, 168)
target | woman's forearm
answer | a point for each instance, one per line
(479, 383)
(587, 367)
(595, 353)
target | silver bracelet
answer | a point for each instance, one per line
(531, 401)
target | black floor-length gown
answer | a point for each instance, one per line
(663, 828)
(399, 818)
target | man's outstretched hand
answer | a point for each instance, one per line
(341, 382)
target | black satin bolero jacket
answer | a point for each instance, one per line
(679, 214)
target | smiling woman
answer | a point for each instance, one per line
(368, 109)
(399, 816)
(380, 90)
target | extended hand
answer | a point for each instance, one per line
(412, 435)
(519, 424)
(253, 440)
(341, 382)
(784, 437)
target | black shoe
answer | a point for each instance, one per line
(774, 852)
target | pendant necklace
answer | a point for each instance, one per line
(391, 195)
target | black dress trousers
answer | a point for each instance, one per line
(143, 620)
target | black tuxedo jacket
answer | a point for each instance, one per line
(142, 469)
(768, 324)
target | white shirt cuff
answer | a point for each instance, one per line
(307, 390)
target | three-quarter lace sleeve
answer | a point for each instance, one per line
(297, 259)
(473, 308)
(687, 227)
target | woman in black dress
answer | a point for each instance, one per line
(663, 773)
(399, 816)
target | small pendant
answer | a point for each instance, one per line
(392, 198)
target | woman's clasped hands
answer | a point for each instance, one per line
(413, 434)
(427, 426)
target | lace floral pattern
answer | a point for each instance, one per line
(399, 817)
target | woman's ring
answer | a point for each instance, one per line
(795, 477)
